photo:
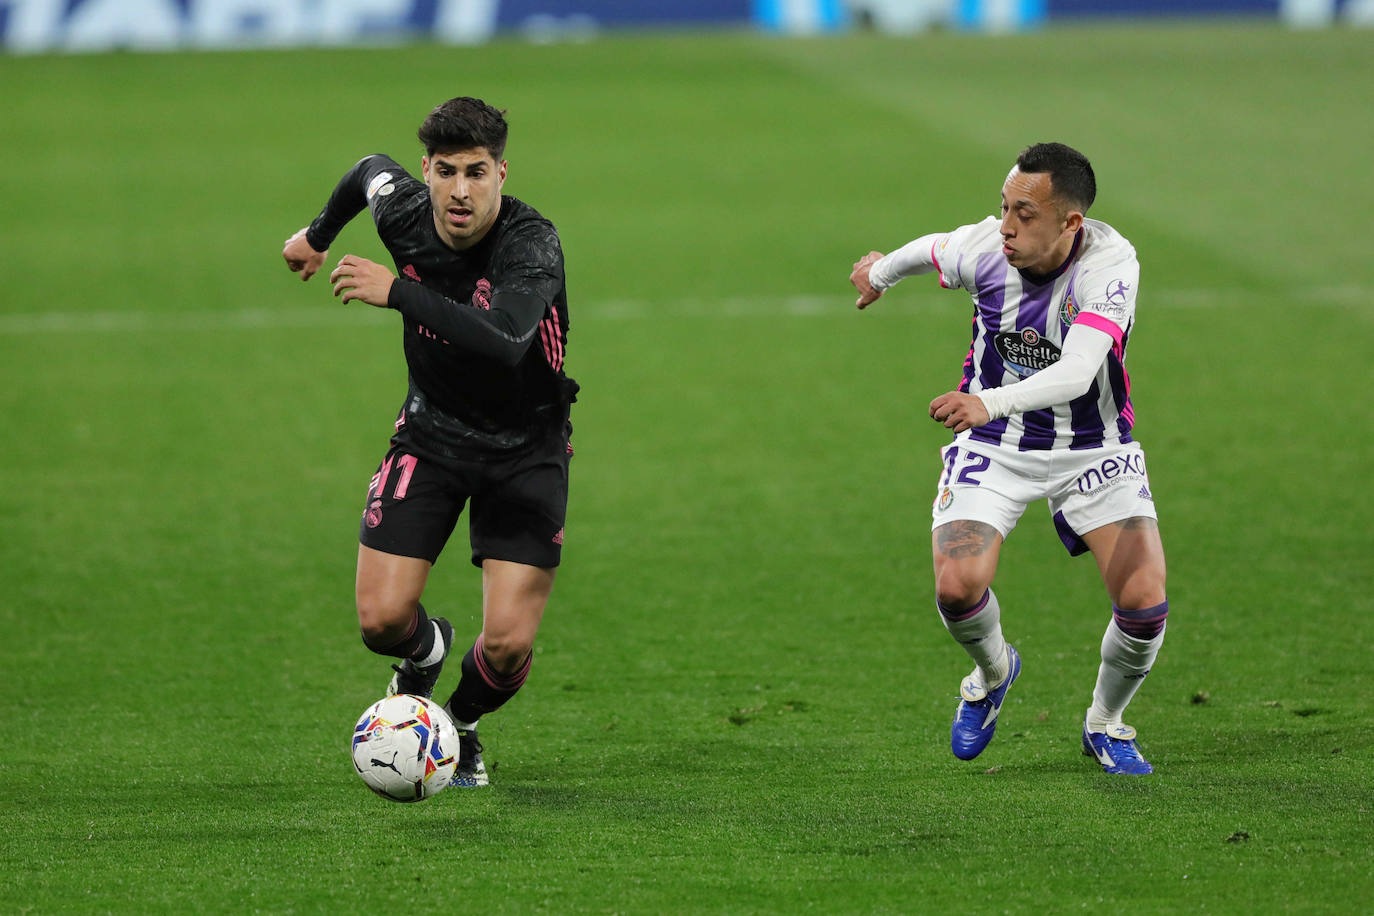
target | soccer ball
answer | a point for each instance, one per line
(405, 748)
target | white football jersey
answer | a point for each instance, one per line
(1019, 323)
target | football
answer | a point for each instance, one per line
(405, 748)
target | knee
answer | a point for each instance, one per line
(383, 619)
(957, 589)
(506, 652)
(1144, 589)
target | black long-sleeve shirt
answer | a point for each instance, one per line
(485, 329)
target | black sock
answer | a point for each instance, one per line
(481, 689)
(417, 643)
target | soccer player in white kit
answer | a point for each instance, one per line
(1043, 411)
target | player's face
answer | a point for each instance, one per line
(1036, 236)
(465, 192)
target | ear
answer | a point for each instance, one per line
(424, 168)
(501, 174)
(1073, 222)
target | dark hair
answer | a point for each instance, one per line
(1072, 182)
(462, 124)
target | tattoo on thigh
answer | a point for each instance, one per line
(965, 539)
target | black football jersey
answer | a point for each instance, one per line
(485, 329)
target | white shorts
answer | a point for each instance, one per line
(1086, 489)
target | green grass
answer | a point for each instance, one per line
(741, 696)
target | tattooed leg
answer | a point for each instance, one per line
(966, 554)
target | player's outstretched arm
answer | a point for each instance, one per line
(860, 278)
(301, 257)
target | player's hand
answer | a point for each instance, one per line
(359, 278)
(959, 411)
(301, 258)
(859, 277)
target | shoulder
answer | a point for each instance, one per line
(385, 180)
(519, 218)
(1103, 245)
(523, 231)
(1107, 273)
(378, 170)
(957, 254)
(976, 235)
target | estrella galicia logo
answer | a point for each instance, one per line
(1025, 352)
(1116, 292)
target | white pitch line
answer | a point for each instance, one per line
(799, 305)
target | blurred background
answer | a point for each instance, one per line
(85, 25)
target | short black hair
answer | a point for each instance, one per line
(464, 123)
(1072, 182)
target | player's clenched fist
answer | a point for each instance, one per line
(859, 277)
(959, 411)
(302, 258)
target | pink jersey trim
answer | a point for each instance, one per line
(1105, 325)
(550, 332)
(940, 274)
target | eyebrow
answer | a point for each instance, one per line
(440, 162)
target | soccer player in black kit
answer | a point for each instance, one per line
(485, 421)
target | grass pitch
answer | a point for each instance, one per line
(741, 695)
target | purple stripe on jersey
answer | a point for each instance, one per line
(1035, 306)
(968, 360)
(1039, 434)
(1121, 395)
(1087, 419)
(1034, 313)
(989, 280)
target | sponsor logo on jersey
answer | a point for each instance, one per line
(558, 538)
(1025, 352)
(1108, 310)
(410, 271)
(376, 183)
(1116, 292)
(1145, 494)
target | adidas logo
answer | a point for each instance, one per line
(558, 538)
(1145, 493)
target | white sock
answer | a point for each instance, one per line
(979, 631)
(1125, 662)
(436, 654)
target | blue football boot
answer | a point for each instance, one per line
(1116, 750)
(975, 721)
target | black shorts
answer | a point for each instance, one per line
(518, 504)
